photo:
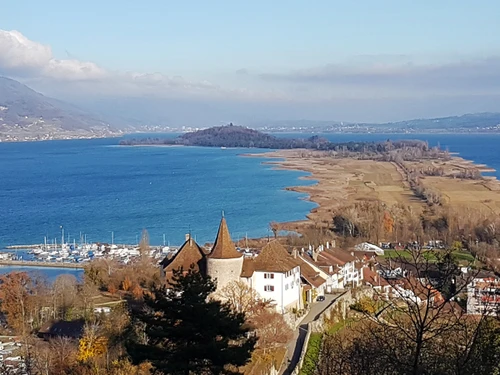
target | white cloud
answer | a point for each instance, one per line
(34, 63)
(23, 57)
(478, 76)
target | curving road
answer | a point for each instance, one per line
(294, 347)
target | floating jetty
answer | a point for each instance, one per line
(23, 247)
(34, 263)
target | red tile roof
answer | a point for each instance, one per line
(274, 258)
(336, 256)
(373, 277)
(310, 275)
(190, 254)
(224, 247)
(248, 267)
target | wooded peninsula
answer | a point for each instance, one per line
(242, 137)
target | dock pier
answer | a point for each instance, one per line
(30, 263)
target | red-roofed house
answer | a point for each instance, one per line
(274, 273)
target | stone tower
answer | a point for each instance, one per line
(224, 263)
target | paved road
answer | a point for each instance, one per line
(295, 346)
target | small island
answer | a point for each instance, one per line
(242, 137)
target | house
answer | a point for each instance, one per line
(274, 273)
(382, 288)
(71, 329)
(313, 281)
(368, 247)
(414, 290)
(483, 294)
(336, 265)
(189, 255)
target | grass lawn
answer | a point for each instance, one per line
(460, 256)
(340, 325)
(312, 354)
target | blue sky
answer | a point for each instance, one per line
(301, 52)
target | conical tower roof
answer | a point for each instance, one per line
(224, 247)
(190, 253)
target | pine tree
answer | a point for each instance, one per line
(183, 331)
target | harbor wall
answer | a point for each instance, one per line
(24, 263)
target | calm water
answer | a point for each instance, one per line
(94, 187)
(50, 274)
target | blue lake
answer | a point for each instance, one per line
(95, 187)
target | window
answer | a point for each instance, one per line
(269, 288)
(269, 276)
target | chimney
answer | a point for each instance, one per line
(315, 255)
(327, 245)
(188, 236)
(334, 244)
(294, 253)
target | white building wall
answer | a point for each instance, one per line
(286, 292)
(351, 275)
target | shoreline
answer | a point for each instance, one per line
(342, 181)
(38, 264)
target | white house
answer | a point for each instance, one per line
(483, 294)
(369, 248)
(275, 275)
(337, 266)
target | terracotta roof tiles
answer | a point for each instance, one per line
(310, 275)
(274, 258)
(248, 268)
(224, 247)
(189, 254)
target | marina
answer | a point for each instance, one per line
(73, 255)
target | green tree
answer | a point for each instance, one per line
(182, 330)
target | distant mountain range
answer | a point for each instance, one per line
(474, 122)
(27, 113)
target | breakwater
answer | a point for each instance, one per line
(40, 264)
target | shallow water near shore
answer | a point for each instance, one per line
(49, 273)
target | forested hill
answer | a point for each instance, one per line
(241, 137)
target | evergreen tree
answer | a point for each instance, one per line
(182, 331)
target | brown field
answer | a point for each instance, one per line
(344, 181)
(482, 194)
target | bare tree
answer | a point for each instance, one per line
(421, 330)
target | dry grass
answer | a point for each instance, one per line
(344, 181)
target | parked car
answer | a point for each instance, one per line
(320, 298)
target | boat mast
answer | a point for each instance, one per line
(62, 237)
